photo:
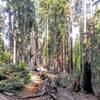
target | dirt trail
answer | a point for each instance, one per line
(81, 96)
(63, 94)
(2, 97)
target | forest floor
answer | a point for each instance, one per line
(62, 94)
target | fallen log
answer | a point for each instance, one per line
(8, 94)
(32, 95)
(46, 88)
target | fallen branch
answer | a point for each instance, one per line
(33, 95)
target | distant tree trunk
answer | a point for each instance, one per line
(91, 31)
(47, 34)
(59, 52)
(33, 50)
(21, 36)
(54, 37)
(10, 35)
(14, 43)
(14, 49)
(64, 53)
(21, 51)
(71, 54)
(69, 44)
(81, 45)
(81, 62)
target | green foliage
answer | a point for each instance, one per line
(63, 80)
(4, 57)
(11, 85)
(16, 78)
(76, 54)
(54, 11)
(21, 64)
(96, 20)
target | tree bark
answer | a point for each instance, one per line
(87, 85)
(33, 50)
(10, 35)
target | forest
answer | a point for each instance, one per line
(49, 50)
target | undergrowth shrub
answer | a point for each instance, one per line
(65, 79)
(15, 77)
(21, 64)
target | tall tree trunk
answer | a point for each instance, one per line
(14, 43)
(87, 85)
(69, 44)
(34, 61)
(64, 53)
(47, 34)
(21, 51)
(10, 35)
(32, 49)
(21, 36)
(14, 49)
(63, 56)
(81, 60)
(91, 31)
(71, 40)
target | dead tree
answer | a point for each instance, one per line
(87, 85)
